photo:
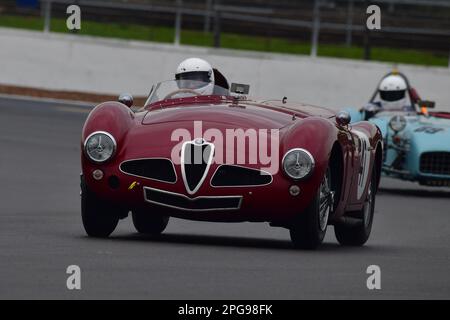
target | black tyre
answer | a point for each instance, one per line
(99, 218)
(308, 229)
(358, 234)
(149, 223)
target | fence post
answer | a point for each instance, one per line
(367, 51)
(348, 36)
(47, 15)
(217, 24)
(207, 16)
(315, 29)
(178, 23)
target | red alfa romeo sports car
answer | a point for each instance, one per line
(227, 158)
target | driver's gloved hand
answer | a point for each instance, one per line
(370, 107)
(370, 110)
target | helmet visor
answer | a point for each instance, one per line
(392, 95)
(203, 76)
(193, 80)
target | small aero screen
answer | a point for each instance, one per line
(240, 88)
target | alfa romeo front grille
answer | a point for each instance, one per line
(153, 168)
(182, 202)
(435, 163)
(196, 159)
(237, 176)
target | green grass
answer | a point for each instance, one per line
(228, 40)
(32, 23)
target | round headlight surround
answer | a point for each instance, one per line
(307, 155)
(113, 146)
(397, 123)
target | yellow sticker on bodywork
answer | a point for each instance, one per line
(132, 185)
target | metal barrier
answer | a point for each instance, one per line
(216, 12)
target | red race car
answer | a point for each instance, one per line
(226, 158)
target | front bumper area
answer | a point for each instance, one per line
(268, 203)
(181, 202)
(423, 179)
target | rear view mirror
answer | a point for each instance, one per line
(426, 104)
(126, 99)
(240, 88)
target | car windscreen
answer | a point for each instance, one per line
(183, 88)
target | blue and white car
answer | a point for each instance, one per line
(416, 142)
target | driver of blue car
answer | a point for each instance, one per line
(393, 94)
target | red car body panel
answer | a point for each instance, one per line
(147, 134)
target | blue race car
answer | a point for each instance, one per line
(416, 142)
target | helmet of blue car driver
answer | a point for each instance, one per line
(392, 91)
(195, 74)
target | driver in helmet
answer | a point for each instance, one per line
(393, 94)
(198, 75)
(195, 74)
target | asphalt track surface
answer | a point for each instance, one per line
(41, 234)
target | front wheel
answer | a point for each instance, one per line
(358, 234)
(99, 218)
(308, 229)
(149, 223)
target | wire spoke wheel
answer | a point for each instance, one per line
(325, 201)
(308, 229)
(357, 235)
(367, 211)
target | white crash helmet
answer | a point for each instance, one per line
(392, 92)
(196, 74)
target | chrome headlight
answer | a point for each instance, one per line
(100, 146)
(397, 123)
(298, 163)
